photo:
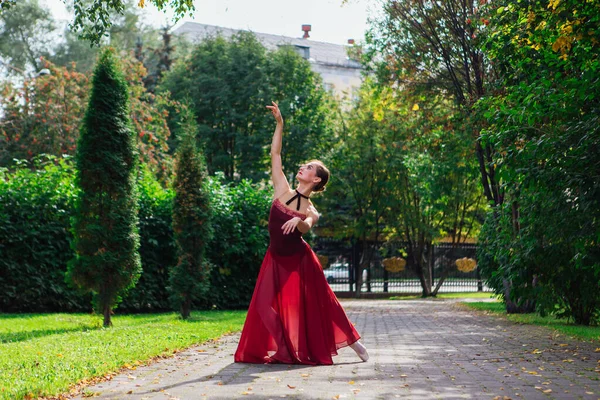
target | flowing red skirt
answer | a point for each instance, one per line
(294, 316)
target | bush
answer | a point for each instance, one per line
(35, 207)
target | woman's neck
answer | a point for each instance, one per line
(305, 189)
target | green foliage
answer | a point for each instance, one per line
(230, 82)
(94, 18)
(157, 247)
(189, 280)
(542, 116)
(406, 172)
(35, 207)
(241, 214)
(37, 204)
(45, 115)
(106, 239)
(25, 36)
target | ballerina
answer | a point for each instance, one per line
(294, 317)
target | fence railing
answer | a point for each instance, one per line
(341, 258)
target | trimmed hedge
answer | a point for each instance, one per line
(36, 203)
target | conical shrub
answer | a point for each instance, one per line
(106, 239)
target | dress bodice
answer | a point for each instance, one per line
(281, 244)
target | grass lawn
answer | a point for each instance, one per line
(559, 325)
(458, 295)
(45, 354)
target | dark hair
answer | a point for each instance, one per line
(323, 173)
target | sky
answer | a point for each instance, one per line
(331, 20)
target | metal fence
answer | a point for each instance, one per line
(340, 260)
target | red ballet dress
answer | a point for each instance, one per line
(294, 316)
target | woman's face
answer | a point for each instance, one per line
(307, 173)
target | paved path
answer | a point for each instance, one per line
(420, 349)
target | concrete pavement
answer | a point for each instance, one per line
(419, 349)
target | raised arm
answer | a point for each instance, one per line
(280, 183)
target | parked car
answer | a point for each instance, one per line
(339, 273)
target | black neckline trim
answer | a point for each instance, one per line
(298, 196)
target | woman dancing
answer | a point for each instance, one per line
(294, 316)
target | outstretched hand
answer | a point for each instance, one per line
(290, 225)
(276, 113)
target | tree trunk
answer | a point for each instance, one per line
(107, 320)
(365, 261)
(186, 306)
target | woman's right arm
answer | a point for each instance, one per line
(280, 182)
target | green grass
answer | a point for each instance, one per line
(560, 325)
(459, 295)
(45, 354)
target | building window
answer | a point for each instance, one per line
(329, 87)
(304, 51)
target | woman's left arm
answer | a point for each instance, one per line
(312, 216)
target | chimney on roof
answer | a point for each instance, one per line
(306, 29)
(351, 41)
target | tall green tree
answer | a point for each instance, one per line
(407, 173)
(189, 280)
(106, 239)
(229, 82)
(434, 47)
(542, 116)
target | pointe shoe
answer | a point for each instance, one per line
(360, 350)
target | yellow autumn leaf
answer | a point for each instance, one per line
(553, 4)
(415, 107)
(141, 3)
(566, 28)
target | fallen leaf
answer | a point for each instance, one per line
(351, 383)
(291, 387)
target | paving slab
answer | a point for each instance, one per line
(419, 349)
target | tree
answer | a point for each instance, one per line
(106, 239)
(407, 174)
(94, 18)
(45, 114)
(361, 198)
(190, 279)
(434, 46)
(26, 34)
(229, 83)
(542, 117)
(126, 29)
